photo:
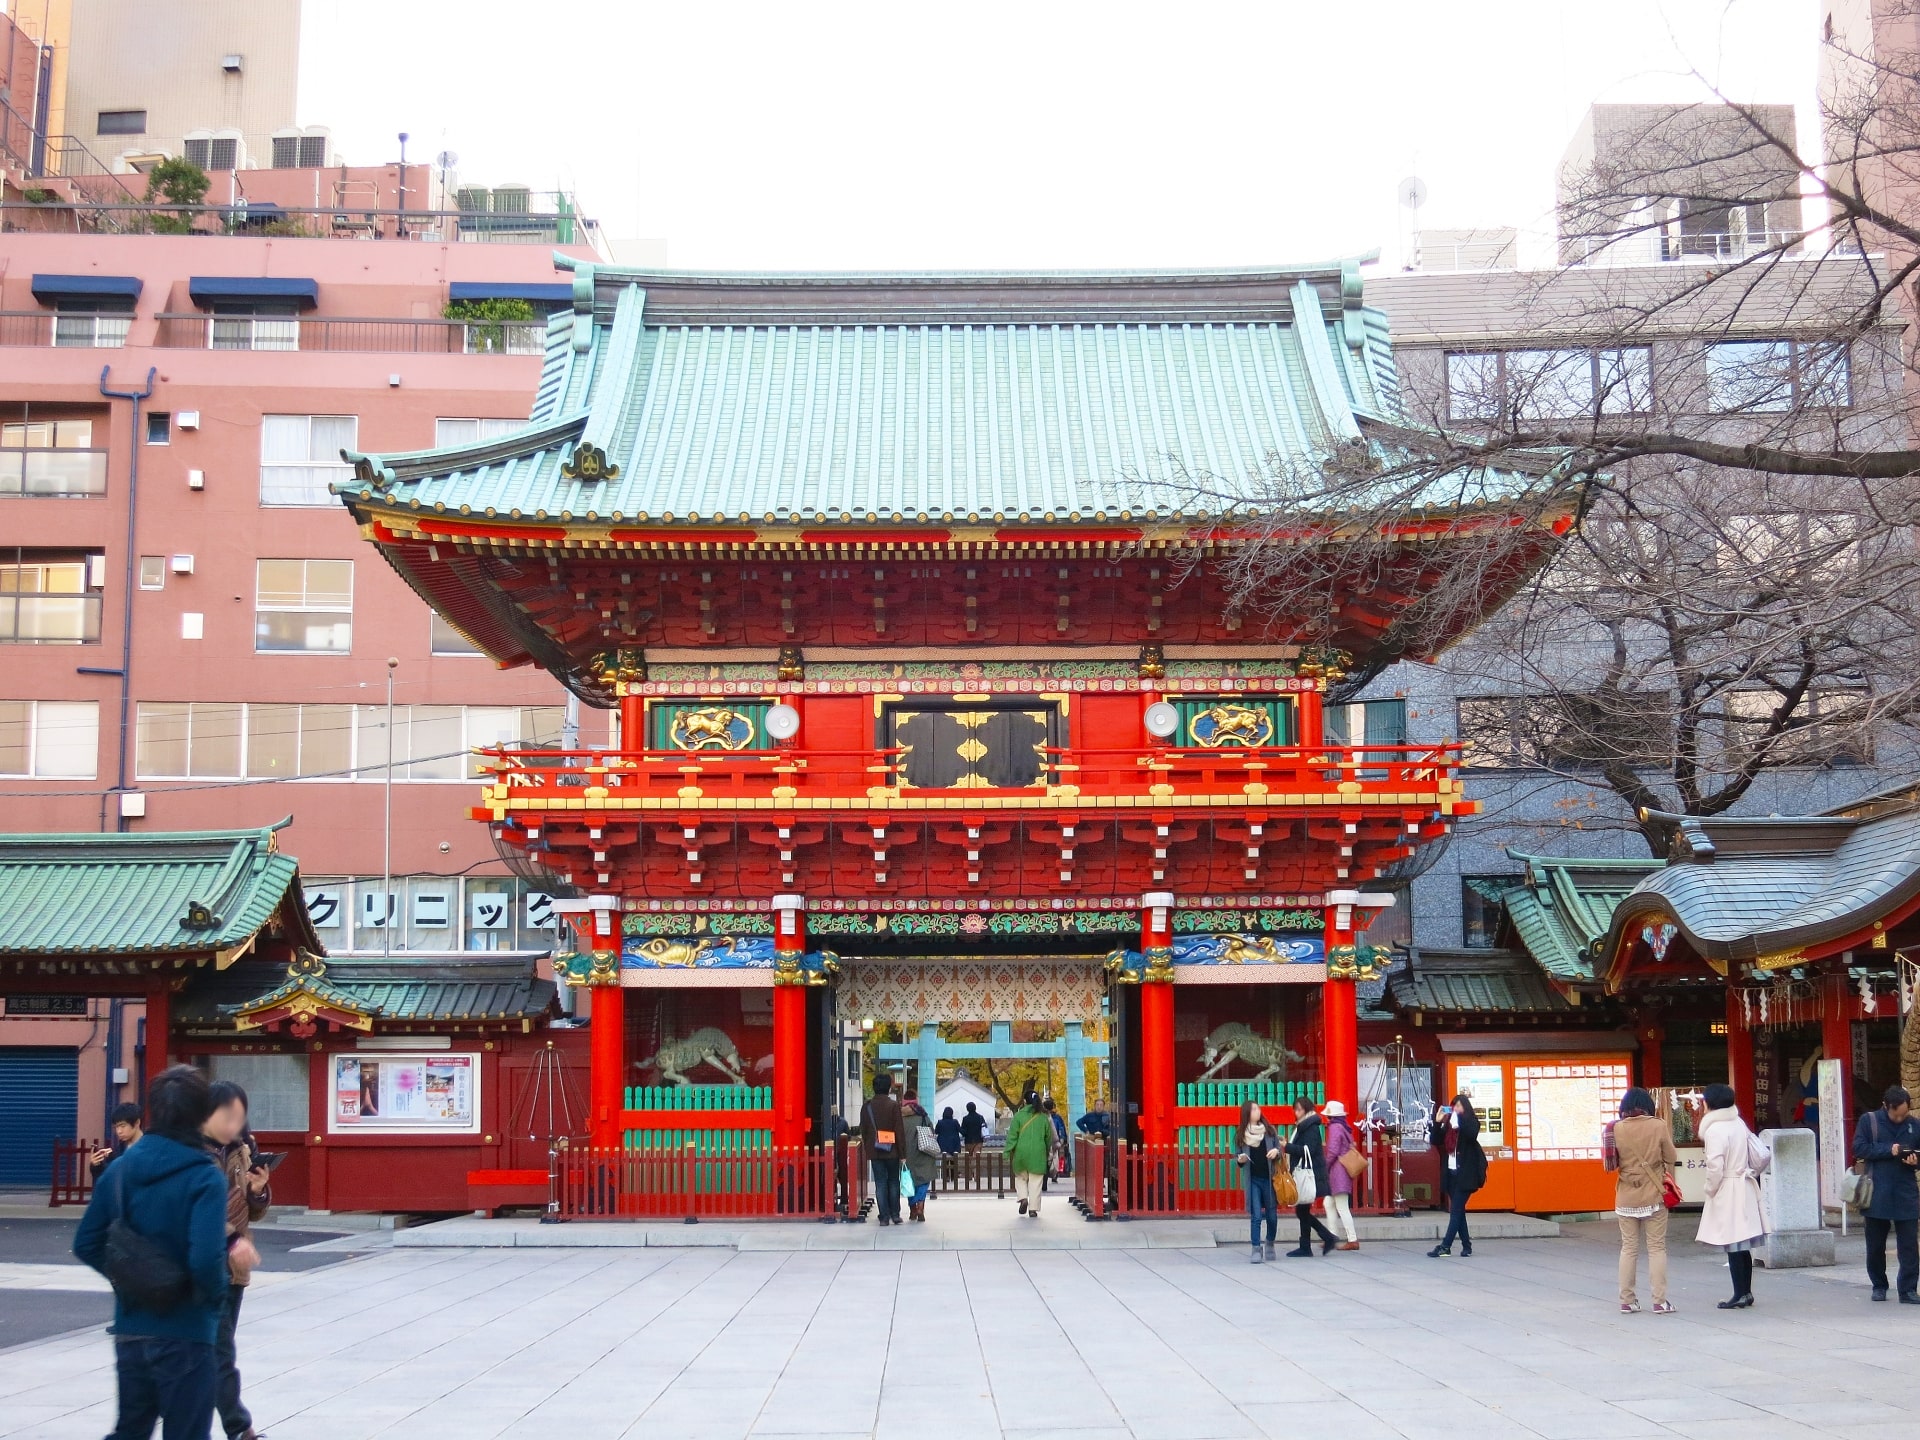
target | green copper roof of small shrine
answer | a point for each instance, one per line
(921, 397)
(1766, 888)
(1471, 982)
(130, 894)
(1561, 907)
(445, 990)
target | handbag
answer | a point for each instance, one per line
(143, 1275)
(925, 1141)
(1285, 1193)
(1352, 1161)
(1669, 1191)
(1856, 1186)
(1306, 1186)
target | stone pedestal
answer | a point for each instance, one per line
(1791, 1188)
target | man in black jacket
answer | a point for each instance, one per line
(1888, 1139)
(126, 1130)
(168, 1190)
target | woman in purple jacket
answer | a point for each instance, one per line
(1339, 1183)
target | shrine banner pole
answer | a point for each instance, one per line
(1156, 1019)
(1339, 1008)
(789, 1022)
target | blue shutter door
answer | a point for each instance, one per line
(39, 1101)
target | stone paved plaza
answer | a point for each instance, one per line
(1524, 1339)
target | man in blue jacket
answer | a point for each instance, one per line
(168, 1188)
(1888, 1139)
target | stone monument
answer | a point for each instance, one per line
(1790, 1189)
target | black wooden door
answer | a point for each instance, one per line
(973, 747)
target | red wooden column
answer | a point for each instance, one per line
(607, 1038)
(159, 1025)
(1313, 722)
(1339, 1004)
(633, 720)
(1740, 1056)
(1157, 1125)
(1646, 1025)
(1836, 1041)
(790, 1022)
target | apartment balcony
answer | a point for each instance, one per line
(678, 823)
(43, 328)
(194, 330)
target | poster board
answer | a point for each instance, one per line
(395, 1093)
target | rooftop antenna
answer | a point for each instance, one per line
(1413, 194)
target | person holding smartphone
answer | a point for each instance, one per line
(1887, 1142)
(248, 1198)
(1455, 1133)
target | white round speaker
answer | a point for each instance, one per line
(1162, 719)
(783, 722)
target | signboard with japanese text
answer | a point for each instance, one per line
(398, 1093)
(1486, 1087)
(488, 909)
(326, 906)
(1832, 1083)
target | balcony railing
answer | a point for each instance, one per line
(37, 619)
(39, 328)
(194, 331)
(758, 779)
(56, 472)
(551, 218)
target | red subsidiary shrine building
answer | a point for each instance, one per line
(934, 703)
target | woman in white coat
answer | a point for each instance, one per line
(1733, 1218)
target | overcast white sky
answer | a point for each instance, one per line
(1056, 135)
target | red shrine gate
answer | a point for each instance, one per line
(911, 663)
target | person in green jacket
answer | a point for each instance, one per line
(1029, 1148)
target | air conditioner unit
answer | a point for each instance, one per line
(96, 572)
(187, 419)
(182, 565)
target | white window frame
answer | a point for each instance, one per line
(303, 609)
(486, 427)
(315, 473)
(34, 726)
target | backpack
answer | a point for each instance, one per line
(143, 1275)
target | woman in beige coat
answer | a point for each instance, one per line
(1733, 1218)
(1643, 1145)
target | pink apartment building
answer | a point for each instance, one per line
(172, 410)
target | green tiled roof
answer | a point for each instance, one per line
(1472, 982)
(922, 397)
(1561, 907)
(129, 894)
(443, 989)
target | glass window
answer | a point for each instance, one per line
(448, 433)
(273, 741)
(49, 739)
(120, 122)
(1549, 384)
(83, 327)
(490, 910)
(1752, 376)
(445, 640)
(1479, 912)
(1473, 387)
(254, 325)
(159, 427)
(47, 602)
(326, 740)
(51, 457)
(304, 605)
(300, 456)
(153, 572)
(436, 743)
(160, 732)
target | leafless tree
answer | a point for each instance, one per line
(1722, 394)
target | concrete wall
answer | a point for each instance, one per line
(164, 57)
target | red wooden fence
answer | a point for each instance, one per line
(72, 1179)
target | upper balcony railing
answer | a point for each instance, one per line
(756, 779)
(551, 218)
(198, 331)
(85, 331)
